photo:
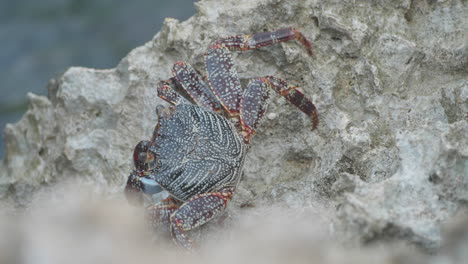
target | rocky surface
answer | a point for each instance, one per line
(388, 162)
(40, 39)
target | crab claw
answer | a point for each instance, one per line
(138, 185)
(150, 186)
(133, 190)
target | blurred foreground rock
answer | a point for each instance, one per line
(388, 162)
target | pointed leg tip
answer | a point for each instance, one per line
(314, 119)
(179, 63)
(314, 126)
(303, 40)
(180, 238)
(308, 46)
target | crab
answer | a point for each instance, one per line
(198, 146)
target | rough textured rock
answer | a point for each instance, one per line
(389, 159)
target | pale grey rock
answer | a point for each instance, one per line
(388, 161)
(422, 153)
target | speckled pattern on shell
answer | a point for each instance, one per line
(197, 151)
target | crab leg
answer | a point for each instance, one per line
(192, 82)
(295, 97)
(255, 98)
(253, 105)
(167, 91)
(262, 39)
(197, 211)
(158, 216)
(222, 77)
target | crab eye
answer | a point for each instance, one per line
(142, 157)
(139, 154)
(140, 161)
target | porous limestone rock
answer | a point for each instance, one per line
(387, 162)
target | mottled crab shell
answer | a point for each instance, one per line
(197, 151)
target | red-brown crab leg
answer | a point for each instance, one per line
(158, 216)
(253, 106)
(262, 39)
(254, 101)
(167, 92)
(193, 84)
(295, 97)
(221, 74)
(222, 77)
(197, 211)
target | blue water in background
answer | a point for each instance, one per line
(41, 39)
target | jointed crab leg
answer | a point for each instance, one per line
(197, 211)
(159, 215)
(295, 97)
(262, 39)
(222, 77)
(167, 92)
(193, 84)
(254, 101)
(253, 105)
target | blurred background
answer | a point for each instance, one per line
(41, 39)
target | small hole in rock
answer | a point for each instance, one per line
(434, 178)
